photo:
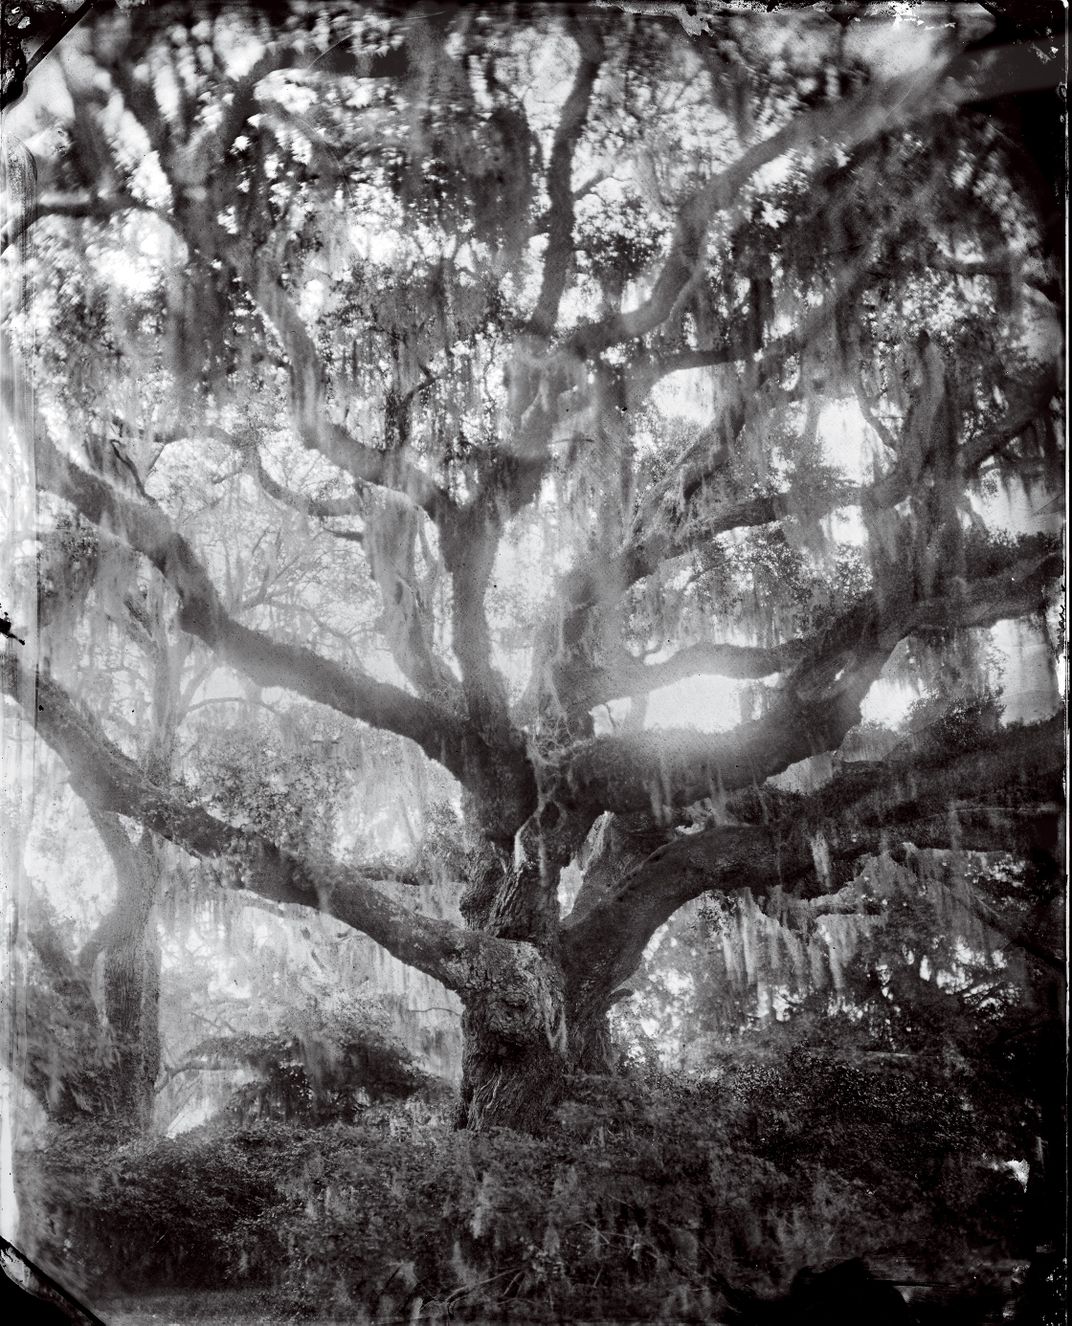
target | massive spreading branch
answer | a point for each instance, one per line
(109, 781)
(819, 702)
(1004, 797)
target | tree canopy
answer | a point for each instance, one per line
(600, 415)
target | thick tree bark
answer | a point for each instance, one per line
(513, 1071)
(516, 1040)
(592, 1047)
(509, 1087)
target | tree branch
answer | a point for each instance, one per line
(556, 263)
(309, 409)
(1001, 269)
(391, 538)
(111, 782)
(498, 772)
(320, 508)
(915, 796)
(469, 547)
(666, 525)
(820, 701)
(271, 662)
(81, 204)
(846, 125)
(623, 675)
(186, 170)
(669, 536)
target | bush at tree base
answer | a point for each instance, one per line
(648, 1189)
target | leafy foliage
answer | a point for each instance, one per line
(326, 1072)
(651, 1186)
(289, 787)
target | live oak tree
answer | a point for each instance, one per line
(423, 283)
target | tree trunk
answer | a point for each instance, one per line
(61, 1065)
(508, 1086)
(591, 1049)
(514, 1062)
(517, 1080)
(131, 973)
(131, 1002)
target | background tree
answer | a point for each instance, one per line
(421, 285)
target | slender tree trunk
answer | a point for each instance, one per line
(131, 961)
(131, 1005)
(62, 1067)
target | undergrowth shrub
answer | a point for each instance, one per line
(646, 1189)
(152, 1211)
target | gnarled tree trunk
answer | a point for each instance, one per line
(516, 1058)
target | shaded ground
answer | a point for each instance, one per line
(230, 1307)
(225, 1307)
(234, 1307)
